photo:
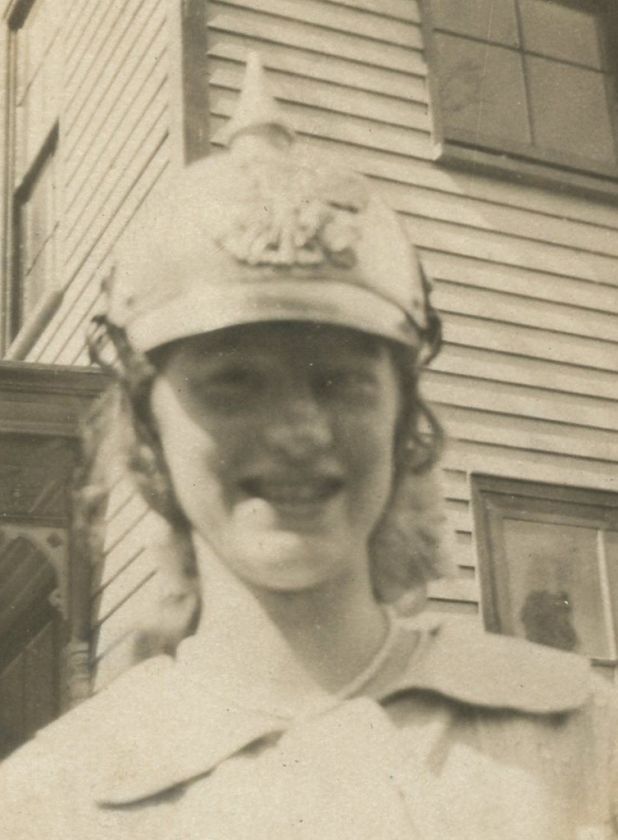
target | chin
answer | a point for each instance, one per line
(285, 561)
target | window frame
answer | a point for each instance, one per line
(496, 496)
(516, 161)
(17, 335)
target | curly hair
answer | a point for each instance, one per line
(126, 406)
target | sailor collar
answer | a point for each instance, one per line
(161, 729)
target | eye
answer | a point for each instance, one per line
(233, 377)
(229, 388)
(346, 382)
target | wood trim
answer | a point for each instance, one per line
(30, 395)
(51, 401)
(8, 179)
(189, 83)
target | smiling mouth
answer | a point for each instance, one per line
(306, 491)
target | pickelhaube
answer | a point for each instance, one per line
(265, 232)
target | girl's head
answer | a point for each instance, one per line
(270, 321)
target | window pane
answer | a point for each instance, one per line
(561, 31)
(570, 110)
(37, 222)
(491, 20)
(555, 585)
(482, 90)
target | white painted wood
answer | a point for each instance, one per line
(120, 151)
(331, 96)
(454, 589)
(402, 9)
(520, 370)
(334, 126)
(532, 435)
(142, 77)
(523, 253)
(64, 338)
(517, 309)
(143, 142)
(328, 68)
(102, 63)
(525, 341)
(573, 291)
(522, 401)
(522, 224)
(224, 19)
(531, 466)
(90, 92)
(340, 17)
(121, 587)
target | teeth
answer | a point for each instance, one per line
(292, 493)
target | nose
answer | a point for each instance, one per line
(299, 428)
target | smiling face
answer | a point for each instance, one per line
(279, 441)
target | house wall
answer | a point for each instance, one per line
(525, 278)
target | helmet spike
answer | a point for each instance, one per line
(257, 112)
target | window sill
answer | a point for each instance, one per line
(505, 166)
(34, 326)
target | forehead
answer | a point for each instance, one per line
(296, 339)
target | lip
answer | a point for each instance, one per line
(293, 493)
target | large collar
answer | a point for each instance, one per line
(157, 728)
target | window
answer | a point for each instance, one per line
(30, 282)
(548, 562)
(531, 78)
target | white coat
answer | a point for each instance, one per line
(461, 735)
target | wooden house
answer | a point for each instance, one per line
(495, 136)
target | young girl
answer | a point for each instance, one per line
(270, 324)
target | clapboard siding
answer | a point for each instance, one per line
(514, 462)
(110, 182)
(282, 58)
(107, 126)
(81, 49)
(138, 568)
(553, 316)
(327, 95)
(338, 18)
(124, 32)
(343, 128)
(522, 401)
(558, 289)
(349, 43)
(529, 341)
(522, 252)
(520, 224)
(548, 376)
(64, 338)
(533, 435)
(406, 10)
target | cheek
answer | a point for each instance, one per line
(369, 447)
(190, 451)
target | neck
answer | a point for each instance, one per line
(287, 650)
